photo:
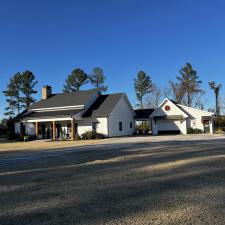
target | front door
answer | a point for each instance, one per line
(58, 130)
(43, 133)
(206, 127)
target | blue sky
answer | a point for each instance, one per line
(52, 37)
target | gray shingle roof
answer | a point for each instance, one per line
(64, 99)
(49, 114)
(103, 105)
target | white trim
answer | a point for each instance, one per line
(46, 120)
(59, 108)
(163, 102)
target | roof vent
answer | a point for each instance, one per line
(46, 92)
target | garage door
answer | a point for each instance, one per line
(168, 127)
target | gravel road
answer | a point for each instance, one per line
(171, 180)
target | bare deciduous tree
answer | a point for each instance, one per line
(153, 99)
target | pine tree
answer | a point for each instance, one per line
(13, 97)
(142, 86)
(75, 80)
(28, 84)
(187, 87)
(97, 79)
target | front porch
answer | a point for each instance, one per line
(55, 129)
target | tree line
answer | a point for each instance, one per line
(19, 93)
(21, 88)
(79, 78)
(186, 89)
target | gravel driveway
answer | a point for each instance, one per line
(136, 180)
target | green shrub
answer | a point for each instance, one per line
(219, 131)
(11, 135)
(194, 131)
(219, 123)
(143, 128)
(26, 138)
(32, 137)
(91, 135)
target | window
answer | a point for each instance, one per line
(68, 127)
(131, 125)
(120, 126)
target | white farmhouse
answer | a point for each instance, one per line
(76, 113)
(111, 115)
(173, 118)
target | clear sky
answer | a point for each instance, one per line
(52, 37)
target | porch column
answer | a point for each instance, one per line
(37, 129)
(53, 130)
(21, 130)
(72, 130)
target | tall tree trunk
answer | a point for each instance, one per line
(189, 98)
(141, 101)
(217, 105)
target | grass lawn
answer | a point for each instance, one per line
(7, 146)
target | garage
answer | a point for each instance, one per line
(173, 118)
(168, 127)
(169, 124)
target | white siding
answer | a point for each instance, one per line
(195, 119)
(174, 110)
(102, 126)
(121, 113)
(169, 124)
(86, 125)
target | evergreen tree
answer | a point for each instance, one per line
(187, 87)
(28, 84)
(13, 97)
(97, 79)
(142, 86)
(216, 89)
(75, 80)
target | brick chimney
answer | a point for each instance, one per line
(46, 92)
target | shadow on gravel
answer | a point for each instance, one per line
(118, 181)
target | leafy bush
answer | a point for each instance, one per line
(32, 137)
(220, 123)
(143, 128)
(26, 138)
(3, 128)
(219, 131)
(194, 131)
(12, 136)
(91, 135)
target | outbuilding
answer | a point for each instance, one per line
(173, 118)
